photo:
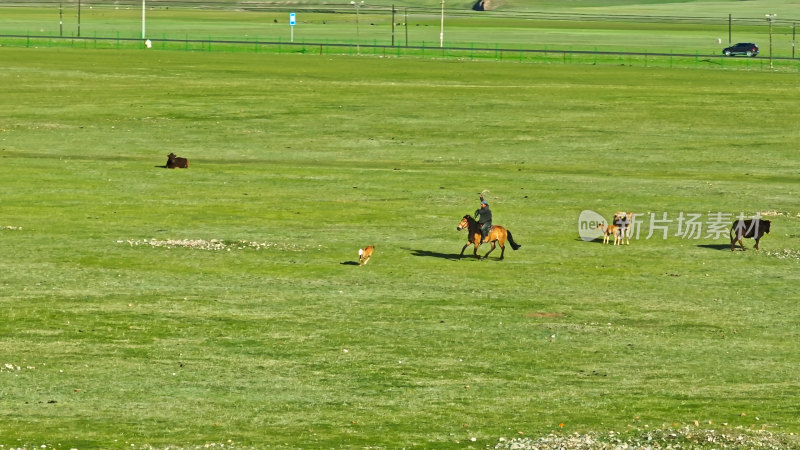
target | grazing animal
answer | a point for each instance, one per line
(364, 254)
(748, 228)
(608, 230)
(497, 234)
(174, 162)
(624, 220)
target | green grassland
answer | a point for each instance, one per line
(111, 341)
(123, 329)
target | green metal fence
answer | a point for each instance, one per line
(374, 49)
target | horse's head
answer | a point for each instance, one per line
(464, 223)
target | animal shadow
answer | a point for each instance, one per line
(716, 246)
(430, 254)
(593, 241)
(349, 263)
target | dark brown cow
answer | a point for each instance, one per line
(748, 228)
(174, 162)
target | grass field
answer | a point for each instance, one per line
(223, 304)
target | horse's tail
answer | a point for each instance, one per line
(511, 242)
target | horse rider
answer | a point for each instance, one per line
(485, 217)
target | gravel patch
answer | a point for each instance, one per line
(789, 254)
(679, 438)
(212, 244)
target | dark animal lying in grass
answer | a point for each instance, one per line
(174, 162)
(750, 228)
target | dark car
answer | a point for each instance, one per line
(742, 48)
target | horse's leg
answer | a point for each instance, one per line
(464, 248)
(490, 251)
(476, 241)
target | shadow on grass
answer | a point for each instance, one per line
(716, 246)
(593, 241)
(349, 263)
(430, 254)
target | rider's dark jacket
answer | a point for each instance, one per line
(485, 214)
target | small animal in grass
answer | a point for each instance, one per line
(608, 231)
(364, 254)
(174, 162)
(749, 228)
(624, 220)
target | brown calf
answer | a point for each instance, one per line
(608, 230)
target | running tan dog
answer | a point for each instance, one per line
(364, 254)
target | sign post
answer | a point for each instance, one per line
(292, 21)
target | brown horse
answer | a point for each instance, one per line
(496, 234)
